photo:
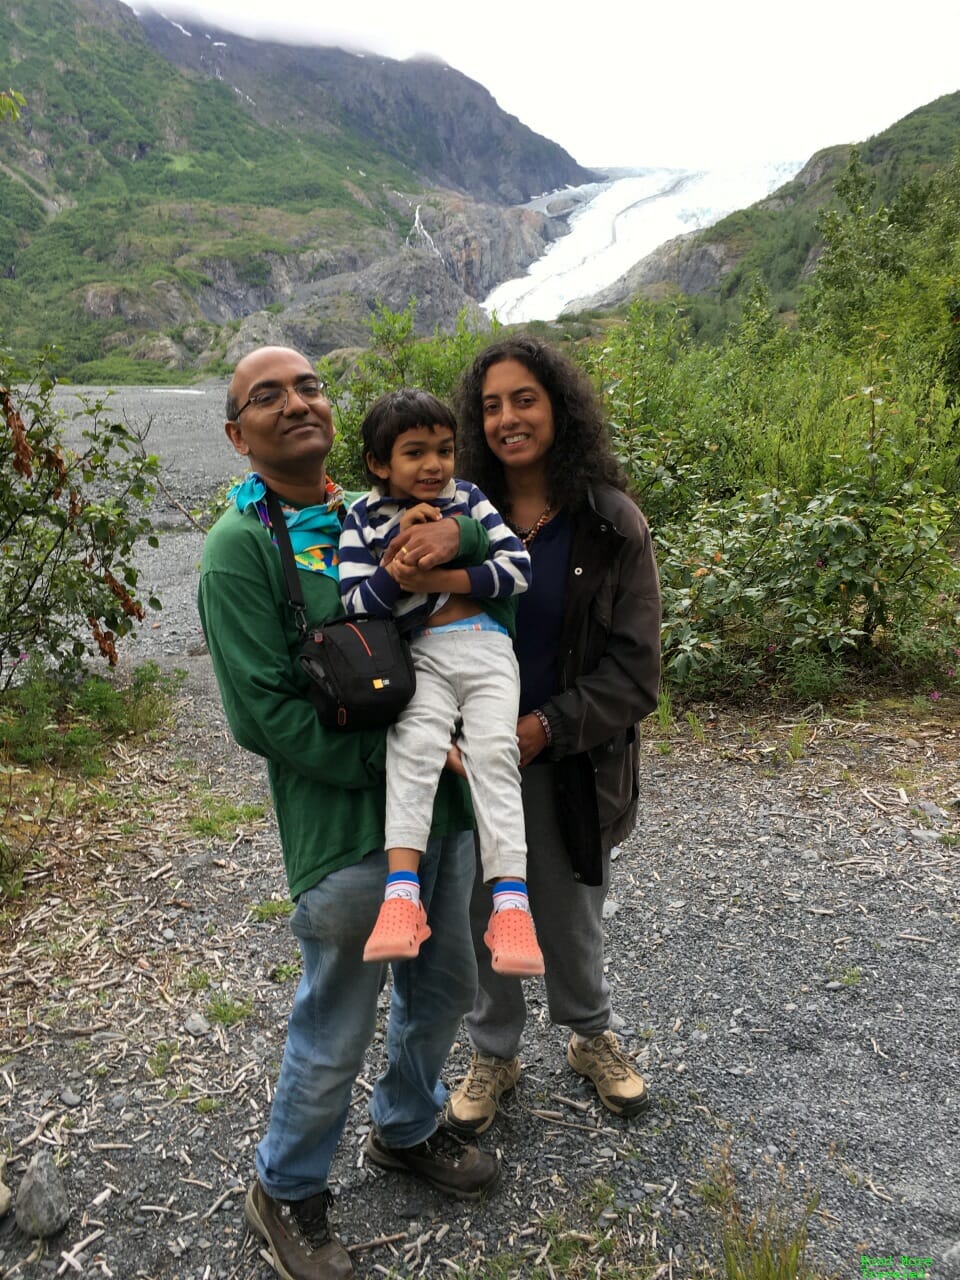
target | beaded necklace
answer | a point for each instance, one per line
(526, 536)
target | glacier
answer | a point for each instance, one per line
(620, 221)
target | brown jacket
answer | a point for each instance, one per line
(610, 675)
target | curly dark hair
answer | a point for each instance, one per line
(393, 414)
(581, 454)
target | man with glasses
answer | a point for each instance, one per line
(328, 793)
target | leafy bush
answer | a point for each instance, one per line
(64, 724)
(802, 497)
(751, 584)
(69, 519)
(394, 359)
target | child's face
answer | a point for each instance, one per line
(421, 463)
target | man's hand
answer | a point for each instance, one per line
(531, 738)
(424, 546)
(455, 761)
(422, 513)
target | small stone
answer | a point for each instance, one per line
(169, 935)
(5, 1194)
(932, 810)
(69, 1098)
(924, 836)
(116, 1102)
(42, 1205)
(833, 986)
(609, 908)
(196, 1024)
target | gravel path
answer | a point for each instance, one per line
(782, 942)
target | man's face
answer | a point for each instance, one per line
(291, 443)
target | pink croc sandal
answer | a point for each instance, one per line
(513, 944)
(400, 931)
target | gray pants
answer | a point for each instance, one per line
(473, 676)
(569, 920)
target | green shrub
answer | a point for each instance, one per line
(394, 359)
(54, 722)
(69, 519)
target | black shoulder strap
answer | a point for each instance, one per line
(282, 535)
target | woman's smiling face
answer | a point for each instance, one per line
(517, 416)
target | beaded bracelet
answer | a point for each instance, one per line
(548, 732)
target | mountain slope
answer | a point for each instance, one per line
(421, 113)
(777, 238)
(148, 209)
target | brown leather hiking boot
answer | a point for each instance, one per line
(618, 1082)
(298, 1236)
(457, 1168)
(472, 1106)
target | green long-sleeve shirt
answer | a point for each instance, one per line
(327, 785)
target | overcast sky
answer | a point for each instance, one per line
(629, 83)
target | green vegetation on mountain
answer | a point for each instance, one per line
(778, 239)
(114, 120)
(160, 187)
(126, 174)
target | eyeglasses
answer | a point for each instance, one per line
(274, 399)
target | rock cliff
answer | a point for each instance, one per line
(445, 127)
(455, 252)
(170, 181)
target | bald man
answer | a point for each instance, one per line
(328, 793)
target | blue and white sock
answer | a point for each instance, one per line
(510, 894)
(402, 884)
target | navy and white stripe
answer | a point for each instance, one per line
(374, 521)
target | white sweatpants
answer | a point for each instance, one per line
(472, 676)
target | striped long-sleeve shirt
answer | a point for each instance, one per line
(374, 521)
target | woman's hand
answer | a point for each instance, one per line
(531, 738)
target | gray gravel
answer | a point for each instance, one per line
(782, 941)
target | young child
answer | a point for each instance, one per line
(459, 621)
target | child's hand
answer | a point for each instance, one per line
(412, 578)
(422, 513)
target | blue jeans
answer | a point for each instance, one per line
(335, 1009)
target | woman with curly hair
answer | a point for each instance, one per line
(533, 437)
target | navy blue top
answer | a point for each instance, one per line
(540, 613)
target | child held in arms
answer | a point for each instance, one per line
(459, 620)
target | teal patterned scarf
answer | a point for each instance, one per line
(314, 531)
